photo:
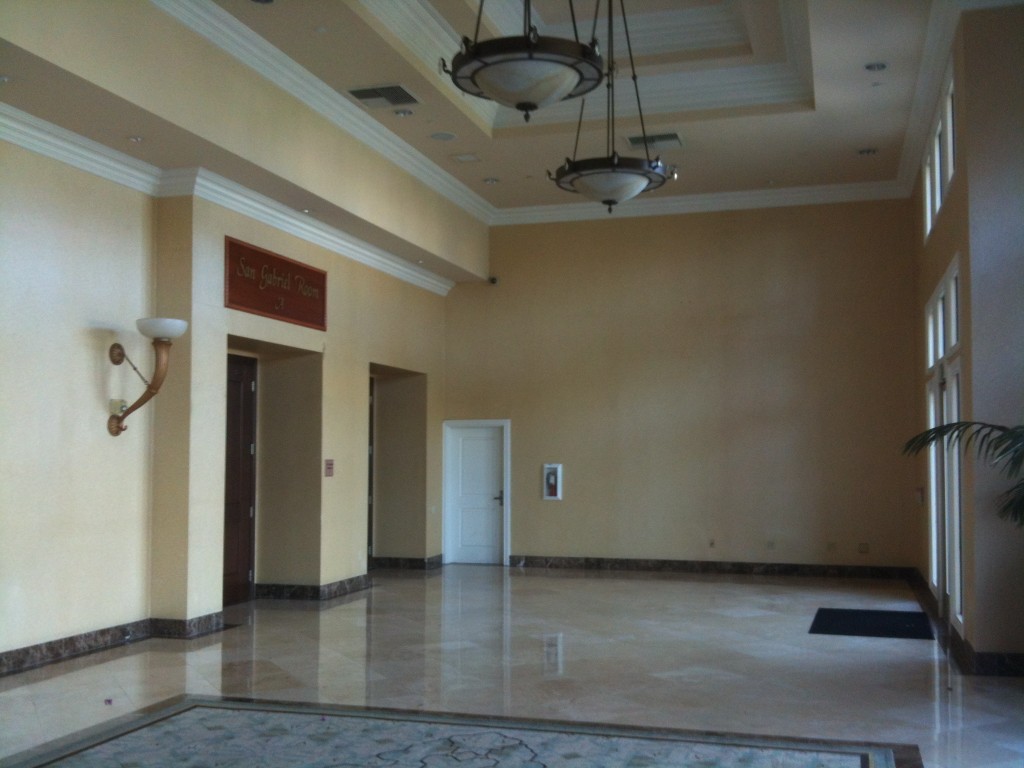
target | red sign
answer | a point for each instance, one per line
(264, 283)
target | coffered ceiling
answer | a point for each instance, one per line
(763, 102)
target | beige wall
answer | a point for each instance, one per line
(123, 539)
(400, 463)
(103, 43)
(746, 378)
(74, 501)
(993, 153)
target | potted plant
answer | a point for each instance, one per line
(1002, 447)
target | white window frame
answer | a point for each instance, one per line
(945, 462)
(938, 164)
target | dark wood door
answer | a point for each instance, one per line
(240, 481)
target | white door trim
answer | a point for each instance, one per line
(448, 469)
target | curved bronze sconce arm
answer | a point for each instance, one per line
(161, 330)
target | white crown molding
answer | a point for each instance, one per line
(31, 133)
(429, 39)
(936, 51)
(223, 30)
(41, 137)
(711, 203)
(216, 189)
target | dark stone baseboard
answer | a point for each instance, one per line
(406, 563)
(972, 662)
(713, 566)
(312, 591)
(186, 629)
(30, 657)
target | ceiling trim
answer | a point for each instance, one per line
(222, 29)
(44, 138)
(710, 203)
(429, 39)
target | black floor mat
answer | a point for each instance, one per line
(860, 623)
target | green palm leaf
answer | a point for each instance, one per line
(1000, 446)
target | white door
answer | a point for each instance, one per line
(475, 505)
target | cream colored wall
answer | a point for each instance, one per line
(289, 469)
(103, 43)
(400, 463)
(746, 378)
(75, 255)
(371, 318)
(991, 89)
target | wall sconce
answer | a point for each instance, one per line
(161, 330)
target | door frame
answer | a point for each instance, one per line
(450, 429)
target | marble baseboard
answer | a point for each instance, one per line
(406, 563)
(185, 629)
(972, 662)
(312, 592)
(30, 657)
(713, 566)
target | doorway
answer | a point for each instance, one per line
(240, 481)
(477, 503)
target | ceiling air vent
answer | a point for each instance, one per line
(656, 141)
(384, 96)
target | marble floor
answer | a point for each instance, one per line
(702, 652)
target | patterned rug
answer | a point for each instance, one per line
(202, 732)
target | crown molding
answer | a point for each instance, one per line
(711, 203)
(429, 38)
(43, 138)
(223, 30)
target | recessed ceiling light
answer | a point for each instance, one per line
(491, 180)
(307, 210)
(867, 151)
(135, 139)
(5, 78)
(442, 136)
(466, 157)
(403, 112)
(875, 66)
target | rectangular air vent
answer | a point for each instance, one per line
(656, 141)
(383, 96)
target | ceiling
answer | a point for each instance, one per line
(773, 101)
(763, 94)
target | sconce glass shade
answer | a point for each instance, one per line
(161, 327)
(527, 73)
(611, 180)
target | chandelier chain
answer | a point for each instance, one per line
(479, 16)
(610, 133)
(636, 84)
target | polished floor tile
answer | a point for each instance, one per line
(720, 653)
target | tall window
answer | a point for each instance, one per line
(944, 461)
(938, 164)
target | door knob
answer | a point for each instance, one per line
(500, 498)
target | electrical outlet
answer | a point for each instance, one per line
(863, 548)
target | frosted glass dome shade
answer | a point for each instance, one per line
(611, 187)
(527, 73)
(612, 180)
(528, 81)
(161, 327)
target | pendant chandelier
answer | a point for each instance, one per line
(613, 179)
(527, 72)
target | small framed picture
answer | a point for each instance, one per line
(553, 482)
